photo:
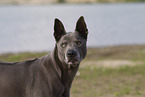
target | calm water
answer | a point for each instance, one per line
(30, 28)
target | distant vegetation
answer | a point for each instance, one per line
(63, 1)
(132, 0)
(111, 1)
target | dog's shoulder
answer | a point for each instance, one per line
(31, 61)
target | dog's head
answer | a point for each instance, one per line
(72, 45)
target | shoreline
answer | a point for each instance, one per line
(111, 56)
(89, 48)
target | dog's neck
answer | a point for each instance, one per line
(66, 74)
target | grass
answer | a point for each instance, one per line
(11, 57)
(110, 82)
(94, 81)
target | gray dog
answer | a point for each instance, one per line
(51, 75)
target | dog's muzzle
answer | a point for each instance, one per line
(72, 58)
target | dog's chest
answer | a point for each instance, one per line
(45, 87)
(57, 89)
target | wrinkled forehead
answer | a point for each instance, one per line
(71, 36)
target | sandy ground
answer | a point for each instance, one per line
(109, 63)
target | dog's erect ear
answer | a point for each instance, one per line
(81, 27)
(59, 30)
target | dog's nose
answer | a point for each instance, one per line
(71, 53)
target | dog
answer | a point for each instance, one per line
(50, 75)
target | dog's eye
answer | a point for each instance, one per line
(78, 42)
(63, 44)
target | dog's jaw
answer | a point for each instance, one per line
(72, 62)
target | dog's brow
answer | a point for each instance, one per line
(66, 36)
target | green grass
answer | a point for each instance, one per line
(126, 81)
(11, 57)
(108, 82)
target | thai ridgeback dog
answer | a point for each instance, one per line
(50, 75)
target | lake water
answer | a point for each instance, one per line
(30, 28)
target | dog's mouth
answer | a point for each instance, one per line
(73, 63)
